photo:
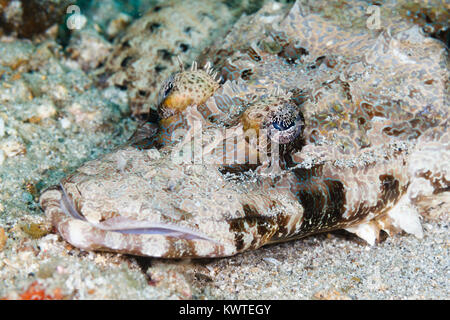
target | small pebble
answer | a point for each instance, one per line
(65, 123)
(118, 24)
(46, 111)
(13, 148)
(272, 261)
(2, 127)
(2, 157)
(3, 238)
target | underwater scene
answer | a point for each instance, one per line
(222, 149)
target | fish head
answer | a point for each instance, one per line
(141, 202)
(145, 201)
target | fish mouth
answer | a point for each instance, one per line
(125, 225)
(67, 205)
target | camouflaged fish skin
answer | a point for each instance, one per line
(146, 53)
(363, 139)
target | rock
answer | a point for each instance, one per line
(2, 127)
(88, 48)
(46, 100)
(3, 238)
(12, 148)
(27, 18)
(109, 15)
(2, 157)
(118, 24)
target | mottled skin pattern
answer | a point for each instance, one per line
(340, 131)
(146, 53)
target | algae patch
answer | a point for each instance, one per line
(35, 230)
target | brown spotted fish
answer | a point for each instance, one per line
(332, 131)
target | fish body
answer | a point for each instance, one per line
(351, 132)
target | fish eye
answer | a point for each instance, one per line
(167, 89)
(282, 125)
(286, 124)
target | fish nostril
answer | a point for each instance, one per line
(68, 206)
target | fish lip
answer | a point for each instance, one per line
(67, 205)
(131, 226)
(164, 230)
